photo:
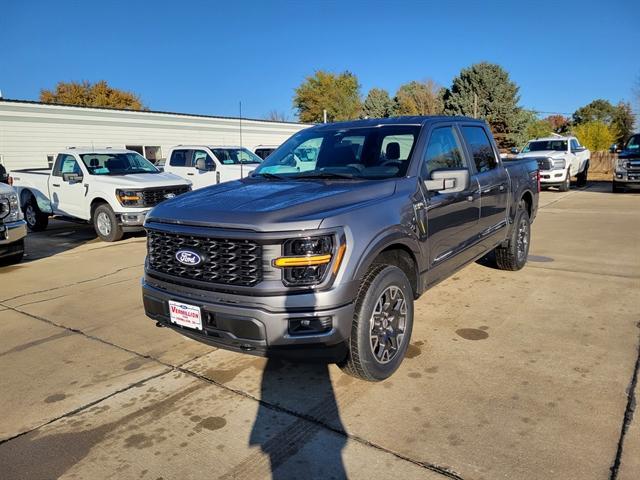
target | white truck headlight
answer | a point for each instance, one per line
(559, 163)
(622, 164)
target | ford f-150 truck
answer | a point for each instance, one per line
(12, 226)
(322, 259)
(559, 159)
(627, 171)
(206, 165)
(113, 189)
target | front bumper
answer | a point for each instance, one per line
(12, 232)
(133, 221)
(258, 325)
(553, 177)
(626, 178)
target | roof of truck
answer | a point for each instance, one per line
(550, 139)
(207, 146)
(100, 151)
(405, 120)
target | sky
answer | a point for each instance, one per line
(206, 57)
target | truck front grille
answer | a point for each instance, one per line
(154, 196)
(222, 261)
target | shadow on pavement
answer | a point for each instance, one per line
(297, 451)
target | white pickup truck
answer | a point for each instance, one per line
(113, 189)
(205, 165)
(559, 159)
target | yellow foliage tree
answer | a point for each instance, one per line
(87, 94)
(596, 136)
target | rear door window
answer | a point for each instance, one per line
(480, 148)
(180, 158)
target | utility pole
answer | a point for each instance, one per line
(475, 105)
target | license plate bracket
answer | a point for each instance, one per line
(185, 315)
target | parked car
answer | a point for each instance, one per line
(113, 189)
(325, 263)
(12, 226)
(206, 165)
(627, 171)
(263, 151)
(560, 159)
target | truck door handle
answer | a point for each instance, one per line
(190, 174)
(55, 184)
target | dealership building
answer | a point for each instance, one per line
(31, 133)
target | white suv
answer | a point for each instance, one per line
(559, 159)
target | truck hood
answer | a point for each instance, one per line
(542, 153)
(141, 180)
(629, 154)
(270, 205)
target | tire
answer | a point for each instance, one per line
(615, 188)
(383, 288)
(106, 224)
(36, 220)
(582, 176)
(566, 185)
(514, 255)
(15, 257)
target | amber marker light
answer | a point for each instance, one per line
(306, 261)
(339, 255)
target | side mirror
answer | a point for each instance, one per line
(613, 148)
(71, 177)
(448, 181)
(515, 151)
(205, 164)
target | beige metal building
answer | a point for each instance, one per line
(31, 132)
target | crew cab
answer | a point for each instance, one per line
(12, 226)
(205, 165)
(324, 262)
(559, 159)
(627, 170)
(113, 189)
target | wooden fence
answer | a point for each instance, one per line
(602, 162)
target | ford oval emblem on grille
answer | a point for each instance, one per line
(187, 257)
(169, 195)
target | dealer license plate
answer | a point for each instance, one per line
(185, 315)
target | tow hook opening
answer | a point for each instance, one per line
(159, 325)
(246, 347)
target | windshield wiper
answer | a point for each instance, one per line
(325, 175)
(268, 175)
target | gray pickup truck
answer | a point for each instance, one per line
(319, 254)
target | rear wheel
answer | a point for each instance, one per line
(36, 220)
(566, 185)
(106, 224)
(582, 176)
(514, 255)
(382, 324)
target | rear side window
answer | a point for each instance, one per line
(480, 147)
(444, 152)
(180, 158)
(574, 144)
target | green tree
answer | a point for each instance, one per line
(622, 122)
(88, 94)
(419, 98)
(599, 110)
(539, 128)
(485, 91)
(597, 136)
(338, 94)
(378, 104)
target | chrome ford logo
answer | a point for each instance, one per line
(187, 257)
(170, 195)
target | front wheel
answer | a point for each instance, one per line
(382, 324)
(14, 257)
(514, 255)
(566, 185)
(106, 224)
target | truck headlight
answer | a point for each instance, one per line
(622, 164)
(559, 163)
(306, 261)
(130, 198)
(11, 206)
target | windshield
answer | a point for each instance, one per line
(540, 145)
(117, 163)
(633, 143)
(235, 156)
(366, 152)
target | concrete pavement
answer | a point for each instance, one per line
(520, 375)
